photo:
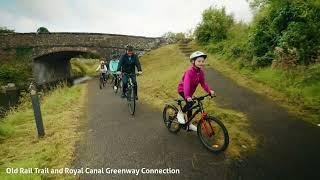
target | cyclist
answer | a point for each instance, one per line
(113, 67)
(192, 77)
(103, 70)
(127, 64)
(106, 62)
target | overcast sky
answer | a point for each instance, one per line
(131, 17)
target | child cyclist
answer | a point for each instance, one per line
(192, 77)
(102, 68)
(113, 66)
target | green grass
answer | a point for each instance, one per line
(297, 89)
(62, 112)
(81, 67)
(163, 69)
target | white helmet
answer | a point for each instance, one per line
(197, 54)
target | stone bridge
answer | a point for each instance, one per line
(49, 54)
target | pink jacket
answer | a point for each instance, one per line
(190, 80)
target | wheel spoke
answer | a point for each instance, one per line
(213, 135)
(170, 118)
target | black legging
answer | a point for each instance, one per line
(115, 79)
(187, 107)
(103, 76)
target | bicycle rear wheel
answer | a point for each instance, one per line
(170, 118)
(131, 100)
(213, 134)
(118, 85)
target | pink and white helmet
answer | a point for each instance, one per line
(197, 54)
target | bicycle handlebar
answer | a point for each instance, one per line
(130, 73)
(202, 97)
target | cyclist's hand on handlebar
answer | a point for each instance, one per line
(212, 93)
(189, 99)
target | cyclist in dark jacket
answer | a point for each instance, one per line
(127, 64)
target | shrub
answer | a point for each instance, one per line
(214, 26)
(42, 30)
(287, 24)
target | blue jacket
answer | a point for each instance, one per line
(113, 65)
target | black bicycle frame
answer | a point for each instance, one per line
(198, 106)
(129, 80)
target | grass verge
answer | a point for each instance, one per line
(62, 112)
(163, 69)
(81, 67)
(296, 90)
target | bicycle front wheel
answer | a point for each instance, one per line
(213, 134)
(119, 85)
(170, 120)
(131, 100)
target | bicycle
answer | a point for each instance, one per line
(119, 83)
(207, 126)
(131, 97)
(102, 82)
(109, 77)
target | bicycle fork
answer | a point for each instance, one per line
(202, 118)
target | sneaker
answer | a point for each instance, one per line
(192, 127)
(180, 117)
(123, 96)
(115, 88)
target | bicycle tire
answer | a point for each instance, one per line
(131, 100)
(213, 148)
(118, 85)
(167, 119)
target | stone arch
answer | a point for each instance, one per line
(54, 64)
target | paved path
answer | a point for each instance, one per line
(288, 147)
(115, 139)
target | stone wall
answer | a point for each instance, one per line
(8, 41)
(40, 51)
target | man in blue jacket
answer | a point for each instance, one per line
(127, 64)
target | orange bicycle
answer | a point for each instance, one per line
(211, 131)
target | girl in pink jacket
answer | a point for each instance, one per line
(192, 77)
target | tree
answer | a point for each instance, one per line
(257, 4)
(180, 36)
(169, 35)
(190, 33)
(214, 25)
(6, 30)
(42, 30)
(290, 25)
